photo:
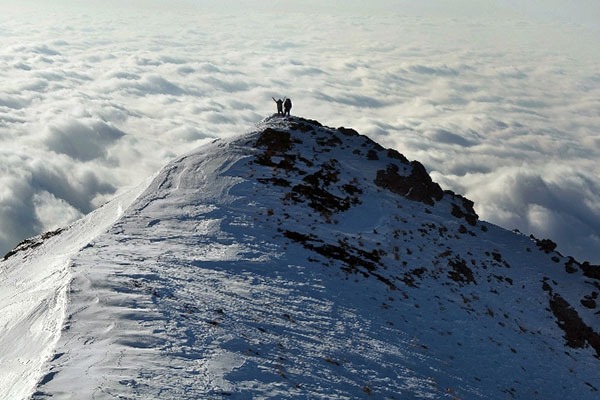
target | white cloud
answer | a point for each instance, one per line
(549, 201)
(51, 212)
(503, 110)
(82, 140)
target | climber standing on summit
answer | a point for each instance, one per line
(279, 105)
(287, 104)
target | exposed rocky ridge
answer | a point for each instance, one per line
(577, 333)
(408, 179)
(32, 243)
(327, 194)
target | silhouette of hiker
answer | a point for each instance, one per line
(287, 104)
(279, 105)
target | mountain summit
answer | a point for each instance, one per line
(295, 261)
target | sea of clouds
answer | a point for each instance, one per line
(498, 104)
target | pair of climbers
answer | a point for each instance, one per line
(283, 106)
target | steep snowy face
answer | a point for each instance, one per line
(305, 261)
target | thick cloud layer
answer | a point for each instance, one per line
(98, 95)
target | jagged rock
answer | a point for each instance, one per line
(354, 259)
(577, 332)
(460, 271)
(395, 154)
(570, 265)
(316, 189)
(464, 210)
(32, 243)
(348, 131)
(591, 271)
(305, 125)
(546, 245)
(588, 302)
(372, 155)
(417, 186)
(275, 141)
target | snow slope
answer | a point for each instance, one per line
(33, 297)
(295, 261)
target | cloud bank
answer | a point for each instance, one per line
(98, 96)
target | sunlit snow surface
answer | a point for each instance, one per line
(193, 290)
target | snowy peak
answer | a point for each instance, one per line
(299, 260)
(408, 179)
(337, 173)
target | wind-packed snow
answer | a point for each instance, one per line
(33, 296)
(272, 265)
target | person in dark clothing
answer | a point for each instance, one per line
(287, 104)
(279, 105)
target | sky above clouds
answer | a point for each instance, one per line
(499, 100)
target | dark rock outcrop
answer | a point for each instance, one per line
(275, 141)
(417, 186)
(577, 333)
(32, 243)
(546, 245)
(464, 209)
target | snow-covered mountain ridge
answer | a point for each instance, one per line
(295, 261)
